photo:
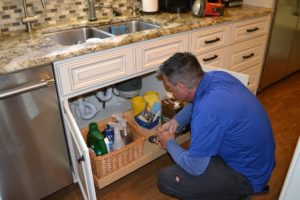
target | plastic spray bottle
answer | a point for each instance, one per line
(118, 143)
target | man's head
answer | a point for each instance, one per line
(181, 74)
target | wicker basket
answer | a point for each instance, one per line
(106, 164)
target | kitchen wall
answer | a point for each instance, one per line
(57, 11)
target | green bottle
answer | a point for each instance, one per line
(95, 140)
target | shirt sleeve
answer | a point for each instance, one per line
(192, 165)
(183, 117)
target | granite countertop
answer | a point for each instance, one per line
(21, 50)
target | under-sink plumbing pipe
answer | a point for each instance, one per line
(105, 96)
(85, 109)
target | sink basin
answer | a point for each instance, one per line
(76, 36)
(127, 27)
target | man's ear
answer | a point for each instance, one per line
(181, 86)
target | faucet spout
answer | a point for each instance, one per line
(43, 4)
(92, 12)
(29, 19)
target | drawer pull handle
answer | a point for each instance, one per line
(212, 41)
(252, 30)
(211, 58)
(79, 158)
(249, 56)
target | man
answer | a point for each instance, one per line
(231, 151)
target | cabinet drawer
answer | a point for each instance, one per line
(245, 30)
(209, 39)
(152, 54)
(216, 58)
(86, 72)
(246, 54)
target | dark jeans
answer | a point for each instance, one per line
(217, 182)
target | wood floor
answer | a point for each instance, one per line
(282, 102)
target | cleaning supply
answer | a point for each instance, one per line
(118, 143)
(95, 140)
(151, 97)
(109, 135)
(138, 104)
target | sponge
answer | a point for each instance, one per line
(118, 30)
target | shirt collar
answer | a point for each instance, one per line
(204, 83)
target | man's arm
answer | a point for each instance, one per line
(183, 117)
(192, 165)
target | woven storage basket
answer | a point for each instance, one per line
(106, 164)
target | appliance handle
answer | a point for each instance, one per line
(26, 88)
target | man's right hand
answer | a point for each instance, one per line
(166, 132)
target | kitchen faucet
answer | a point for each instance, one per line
(29, 19)
(92, 12)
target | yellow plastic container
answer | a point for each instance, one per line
(151, 97)
(138, 104)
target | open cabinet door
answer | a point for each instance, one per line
(81, 163)
(244, 78)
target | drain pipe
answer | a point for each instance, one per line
(85, 109)
(105, 96)
(92, 12)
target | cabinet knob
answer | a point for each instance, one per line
(79, 158)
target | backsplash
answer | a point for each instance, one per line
(57, 11)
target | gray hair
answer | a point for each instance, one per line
(182, 67)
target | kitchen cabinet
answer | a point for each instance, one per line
(82, 75)
(152, 53)
(238, 47)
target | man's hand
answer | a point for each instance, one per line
(166, 132)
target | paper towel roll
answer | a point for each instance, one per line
(150, 5)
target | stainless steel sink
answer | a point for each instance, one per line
(76, 36)
(127, 27)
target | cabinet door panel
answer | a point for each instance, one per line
(81, 162)
(85, 72)
(244, 78)
(253, 74)
(152, 54)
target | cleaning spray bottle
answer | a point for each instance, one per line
(118, 143)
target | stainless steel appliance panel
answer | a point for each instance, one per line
(294, 61)
(34, 159)
(283, 41)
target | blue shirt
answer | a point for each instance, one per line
(227, 120)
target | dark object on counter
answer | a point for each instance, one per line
(198, 8)
(202, 8)
(152, 139)
(175, 6)
(213, 8)
(232, 3)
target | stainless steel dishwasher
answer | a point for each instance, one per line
(34, 159)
